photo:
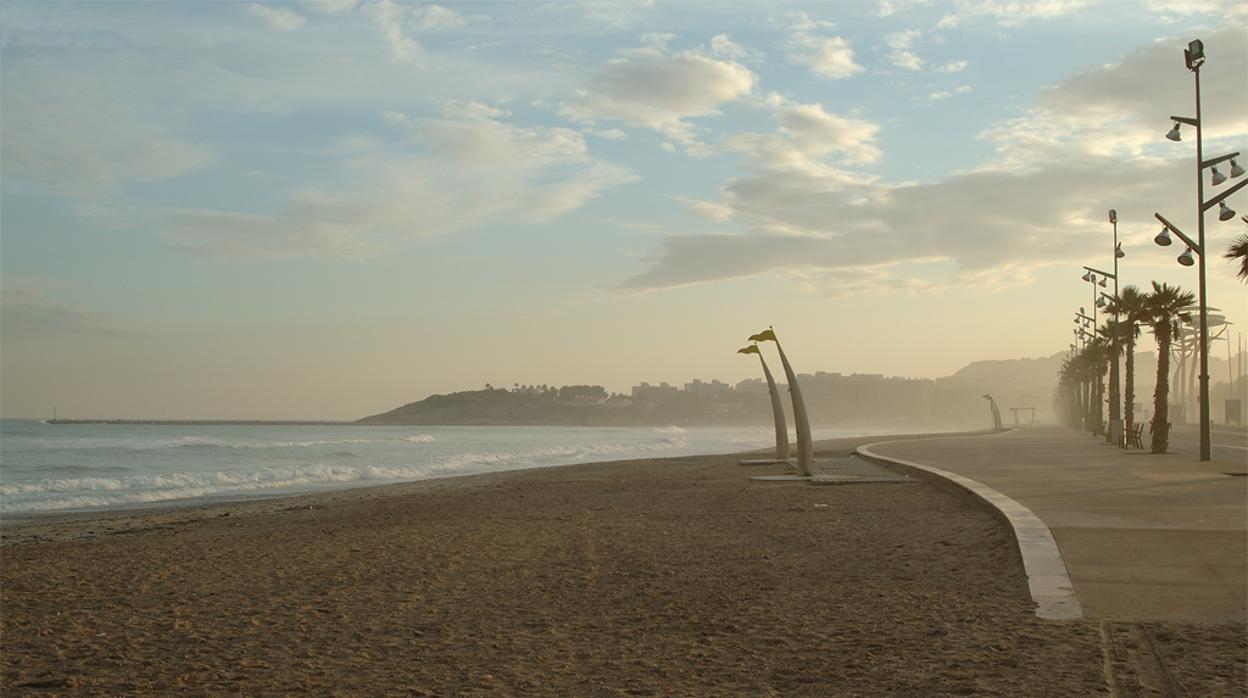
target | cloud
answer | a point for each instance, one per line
(709, 210)
(946, 94)
(901, 56)
(805, 135)
(602, 14)
(464, 168)
(827, 57)
(432, 17)
(29, 314)
(952, 67)
(1173, 10)
(330, 7)
(1121, 108)
(722, 45)
(659, 90)
(390, 18)
(990, 227)
(67, 128)
(1077, 152)
(277, 18)
(1007, 13)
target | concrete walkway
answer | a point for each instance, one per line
(1143, 537)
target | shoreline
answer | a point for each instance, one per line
(672, 576)
(10, 521)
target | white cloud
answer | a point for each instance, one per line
(902, 39)
(465, 168)
(826, 56)
(69, 130)
(723, 45)
(277, 18)
(709, 209)
(952, 67)
(905, 59)
(437, 17)
(1171, 10)
(658, 90)
(946, 94)
(1120, 109)
(330, 7)
(805, 135)
(602, 14)
(390, 18)
(610, 134)
(1080, 150)
(888, 8)
(1007, 13)
(901, 56)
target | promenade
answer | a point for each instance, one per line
(1143, 537)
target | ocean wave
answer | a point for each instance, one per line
(200, 442)
(70, 493)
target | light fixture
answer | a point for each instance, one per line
(1118, 251)
(1163, 238)
(1113, 216)
(1100, 302)
(1102, 282)
(1225, 213)
(1086, 277)
(1194, 54)
(1187, 259)
(1236, 170)
(1174, 133)
(1218, 177)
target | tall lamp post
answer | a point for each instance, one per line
(1194, 57)
(1115, 435)
(1099, 301)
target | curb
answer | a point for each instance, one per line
(1047, 578)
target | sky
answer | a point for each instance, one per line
(325, 209)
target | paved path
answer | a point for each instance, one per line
(1143, 537)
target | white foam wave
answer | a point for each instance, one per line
(58, 494)
(200, 441)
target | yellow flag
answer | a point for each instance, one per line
(764, 336)
(752, 349)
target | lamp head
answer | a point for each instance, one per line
(1187, 259)
(1163, 238)
(1194, 54)
(1236, 170)
(1225, 213)
(1086, 276)
(1218, 177)
(1118, 251)
(1100, 302)
(1102, 281)
(1113, 216)
(1174, 134)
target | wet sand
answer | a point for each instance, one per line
(653, 577)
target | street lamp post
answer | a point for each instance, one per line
(1115, 435)
(1194, 57)
(1099, 301)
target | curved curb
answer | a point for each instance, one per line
(1047, 578)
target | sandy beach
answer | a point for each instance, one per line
(656, 577)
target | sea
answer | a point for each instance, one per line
(83, 467)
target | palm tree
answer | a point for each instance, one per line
(1130, 308)
(1096, 358)
(1163, 309)
(1239, 251)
